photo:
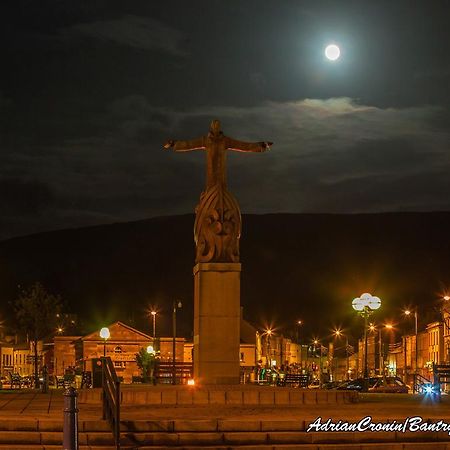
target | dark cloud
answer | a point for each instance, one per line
(144, 33)
(91, 90)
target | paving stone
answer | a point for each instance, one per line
(19, 437)
(267, 398)
(154, 397)
(239, 425)
(282, 397)
(309, 397)
(242, 438)
(99, 438)
(425, 446)
(331, 437)
(296, 397)
(50, 425)
(18, 425)
(164, 439)
(322, 397)
(200, 439)
(368, 436)
(383, 446)
(201, 397)
(233, 397)
(281, 425)
(94, 425)
(217, 398)
(168, 397)
(195, 425)
(146, 425)
(289, 437)
(251, 397)
(184, 398)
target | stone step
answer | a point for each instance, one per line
(202, 439)
(355, 446)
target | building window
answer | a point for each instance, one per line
(118, 349)
(119, 364)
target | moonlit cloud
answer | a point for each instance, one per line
(329, 155)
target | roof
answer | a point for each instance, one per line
(114, 330)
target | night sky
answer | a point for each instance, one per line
(90, 90)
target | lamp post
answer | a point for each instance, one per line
(387, 326)
(317, 342)
(299, 354)
(153, 313)
(176, 305)
(365, 305)
(338, 334)
(407, 313)
(105, 335)
(268, 334)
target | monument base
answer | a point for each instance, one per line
(217, 323)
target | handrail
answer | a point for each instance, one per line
(111, 398)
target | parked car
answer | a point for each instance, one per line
(315, 384)
(357, 384)
(393, 385)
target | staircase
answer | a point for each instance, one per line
(441, 374)
(209, 434)
(421, 383)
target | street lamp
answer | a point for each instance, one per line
(387, 326)
(299, 324)
(365, 305)
(407, 313)
(153, 313)
(105, 335)
(317, 342)
(338, 334)
(268, 334)
(176, 305)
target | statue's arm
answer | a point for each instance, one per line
(186, 146)
(239, 146)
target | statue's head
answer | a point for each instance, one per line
(214, 128)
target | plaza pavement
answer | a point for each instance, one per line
(30, 420)
(26, 404)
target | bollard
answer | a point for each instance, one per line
(70, 427)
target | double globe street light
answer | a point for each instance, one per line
(365, 305)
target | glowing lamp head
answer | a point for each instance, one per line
(389, 326)
(407, 312)
(374, 303)
(191, 382)
(446, 298)
(104, 333)
(153, 313)
(150, 350)
(332, 52)
(358, 304)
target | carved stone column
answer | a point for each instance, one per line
(217, 323)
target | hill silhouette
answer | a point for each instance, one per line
(307, 266)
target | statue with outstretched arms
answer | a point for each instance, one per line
(217, 226)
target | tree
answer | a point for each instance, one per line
(146, 362)
(36, 311)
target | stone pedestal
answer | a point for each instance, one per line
(217, 323)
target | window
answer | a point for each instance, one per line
(118, 349)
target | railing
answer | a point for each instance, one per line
(441, 375)
(164, 372)
(419, 382)
(111, 398)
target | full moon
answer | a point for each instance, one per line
(332, 52)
